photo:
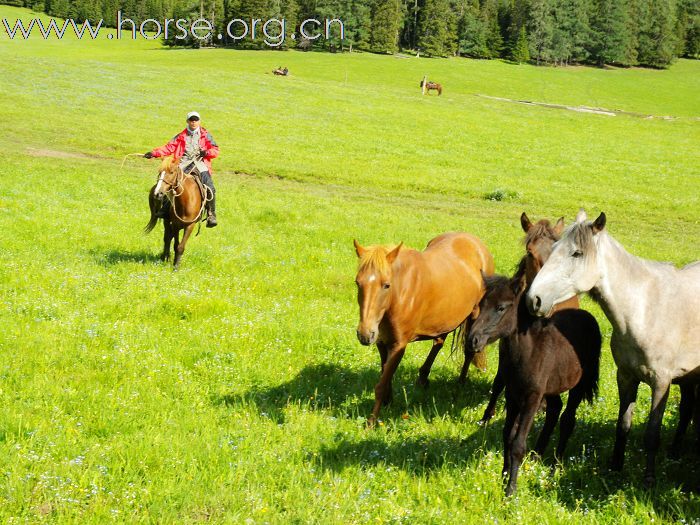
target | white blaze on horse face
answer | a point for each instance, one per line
(158, 191)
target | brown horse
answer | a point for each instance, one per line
(406, 295)
(539, 238)
(186, 207)
(431, 85)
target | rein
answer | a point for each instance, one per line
(173, 194)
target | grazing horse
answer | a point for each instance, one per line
(539, 238)
(654, 310)
(543, 358)
(431, 85)
(281, 71)
(186, 206)
(406, 295)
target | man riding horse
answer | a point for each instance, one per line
(194, 147)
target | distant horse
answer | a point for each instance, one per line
(281, 71)
(431, 85)
(186, 197)
(543, 359)
(539, 238)
(406, 295)
(654, 309)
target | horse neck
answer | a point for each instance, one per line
(618, 268)
(406, 284)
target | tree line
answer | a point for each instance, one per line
(559, 32)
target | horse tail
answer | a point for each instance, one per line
(439, 88)
(591, 362)
(154, 219)
(461, 338)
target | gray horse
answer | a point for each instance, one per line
(654, 309)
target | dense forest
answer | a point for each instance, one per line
(559, 32)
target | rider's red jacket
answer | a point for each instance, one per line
(176, 147)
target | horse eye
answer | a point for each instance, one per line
(577, 253)
(501, 308)
(386, 286)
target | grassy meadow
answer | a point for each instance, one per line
(235, 391)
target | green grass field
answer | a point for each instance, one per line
(235, 391)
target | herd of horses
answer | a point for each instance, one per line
(547, 345)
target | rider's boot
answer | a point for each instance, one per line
(211, 212)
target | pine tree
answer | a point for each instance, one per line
(494, 40)
(386, 17)
(521, 51)
(438, 30)
(657, 41)
(540, 30)
(472, 32)
(611, 26)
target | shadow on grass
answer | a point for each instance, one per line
(114, 257)
(347, 392)
(583, 482)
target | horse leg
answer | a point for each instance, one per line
(685, 413)
(627, 389)
(382, 390)
(554, 405)
(509, 430)
(425, 369)
(518, 446)
(497, 386)
(167, 239)
(180, 246)
(568, 419)
(652, 436)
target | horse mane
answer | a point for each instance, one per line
(582, 235)
(542, 228)
(374, 259)
(167, 163)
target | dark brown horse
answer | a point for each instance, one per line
(406, 295)
(186, 207)
(545, 357)
(539, 238)
(431, 85)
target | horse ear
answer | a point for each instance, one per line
(559, 226)
(599, 224)
(359, 250)
(518, 284)
(393, 254)
(525, 222)
(581, 215)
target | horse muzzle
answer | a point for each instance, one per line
(367, 337)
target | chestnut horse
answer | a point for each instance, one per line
(539, 238)
(431, 85)
(406, 295)
(186, 207)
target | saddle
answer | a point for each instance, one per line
(192, 169)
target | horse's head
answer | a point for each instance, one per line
(168, 176)
(374, 279)
(539, 239)
(572, 267)
(497, 310)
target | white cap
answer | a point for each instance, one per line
(193, 114)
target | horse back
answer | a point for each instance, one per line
(465, 247)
